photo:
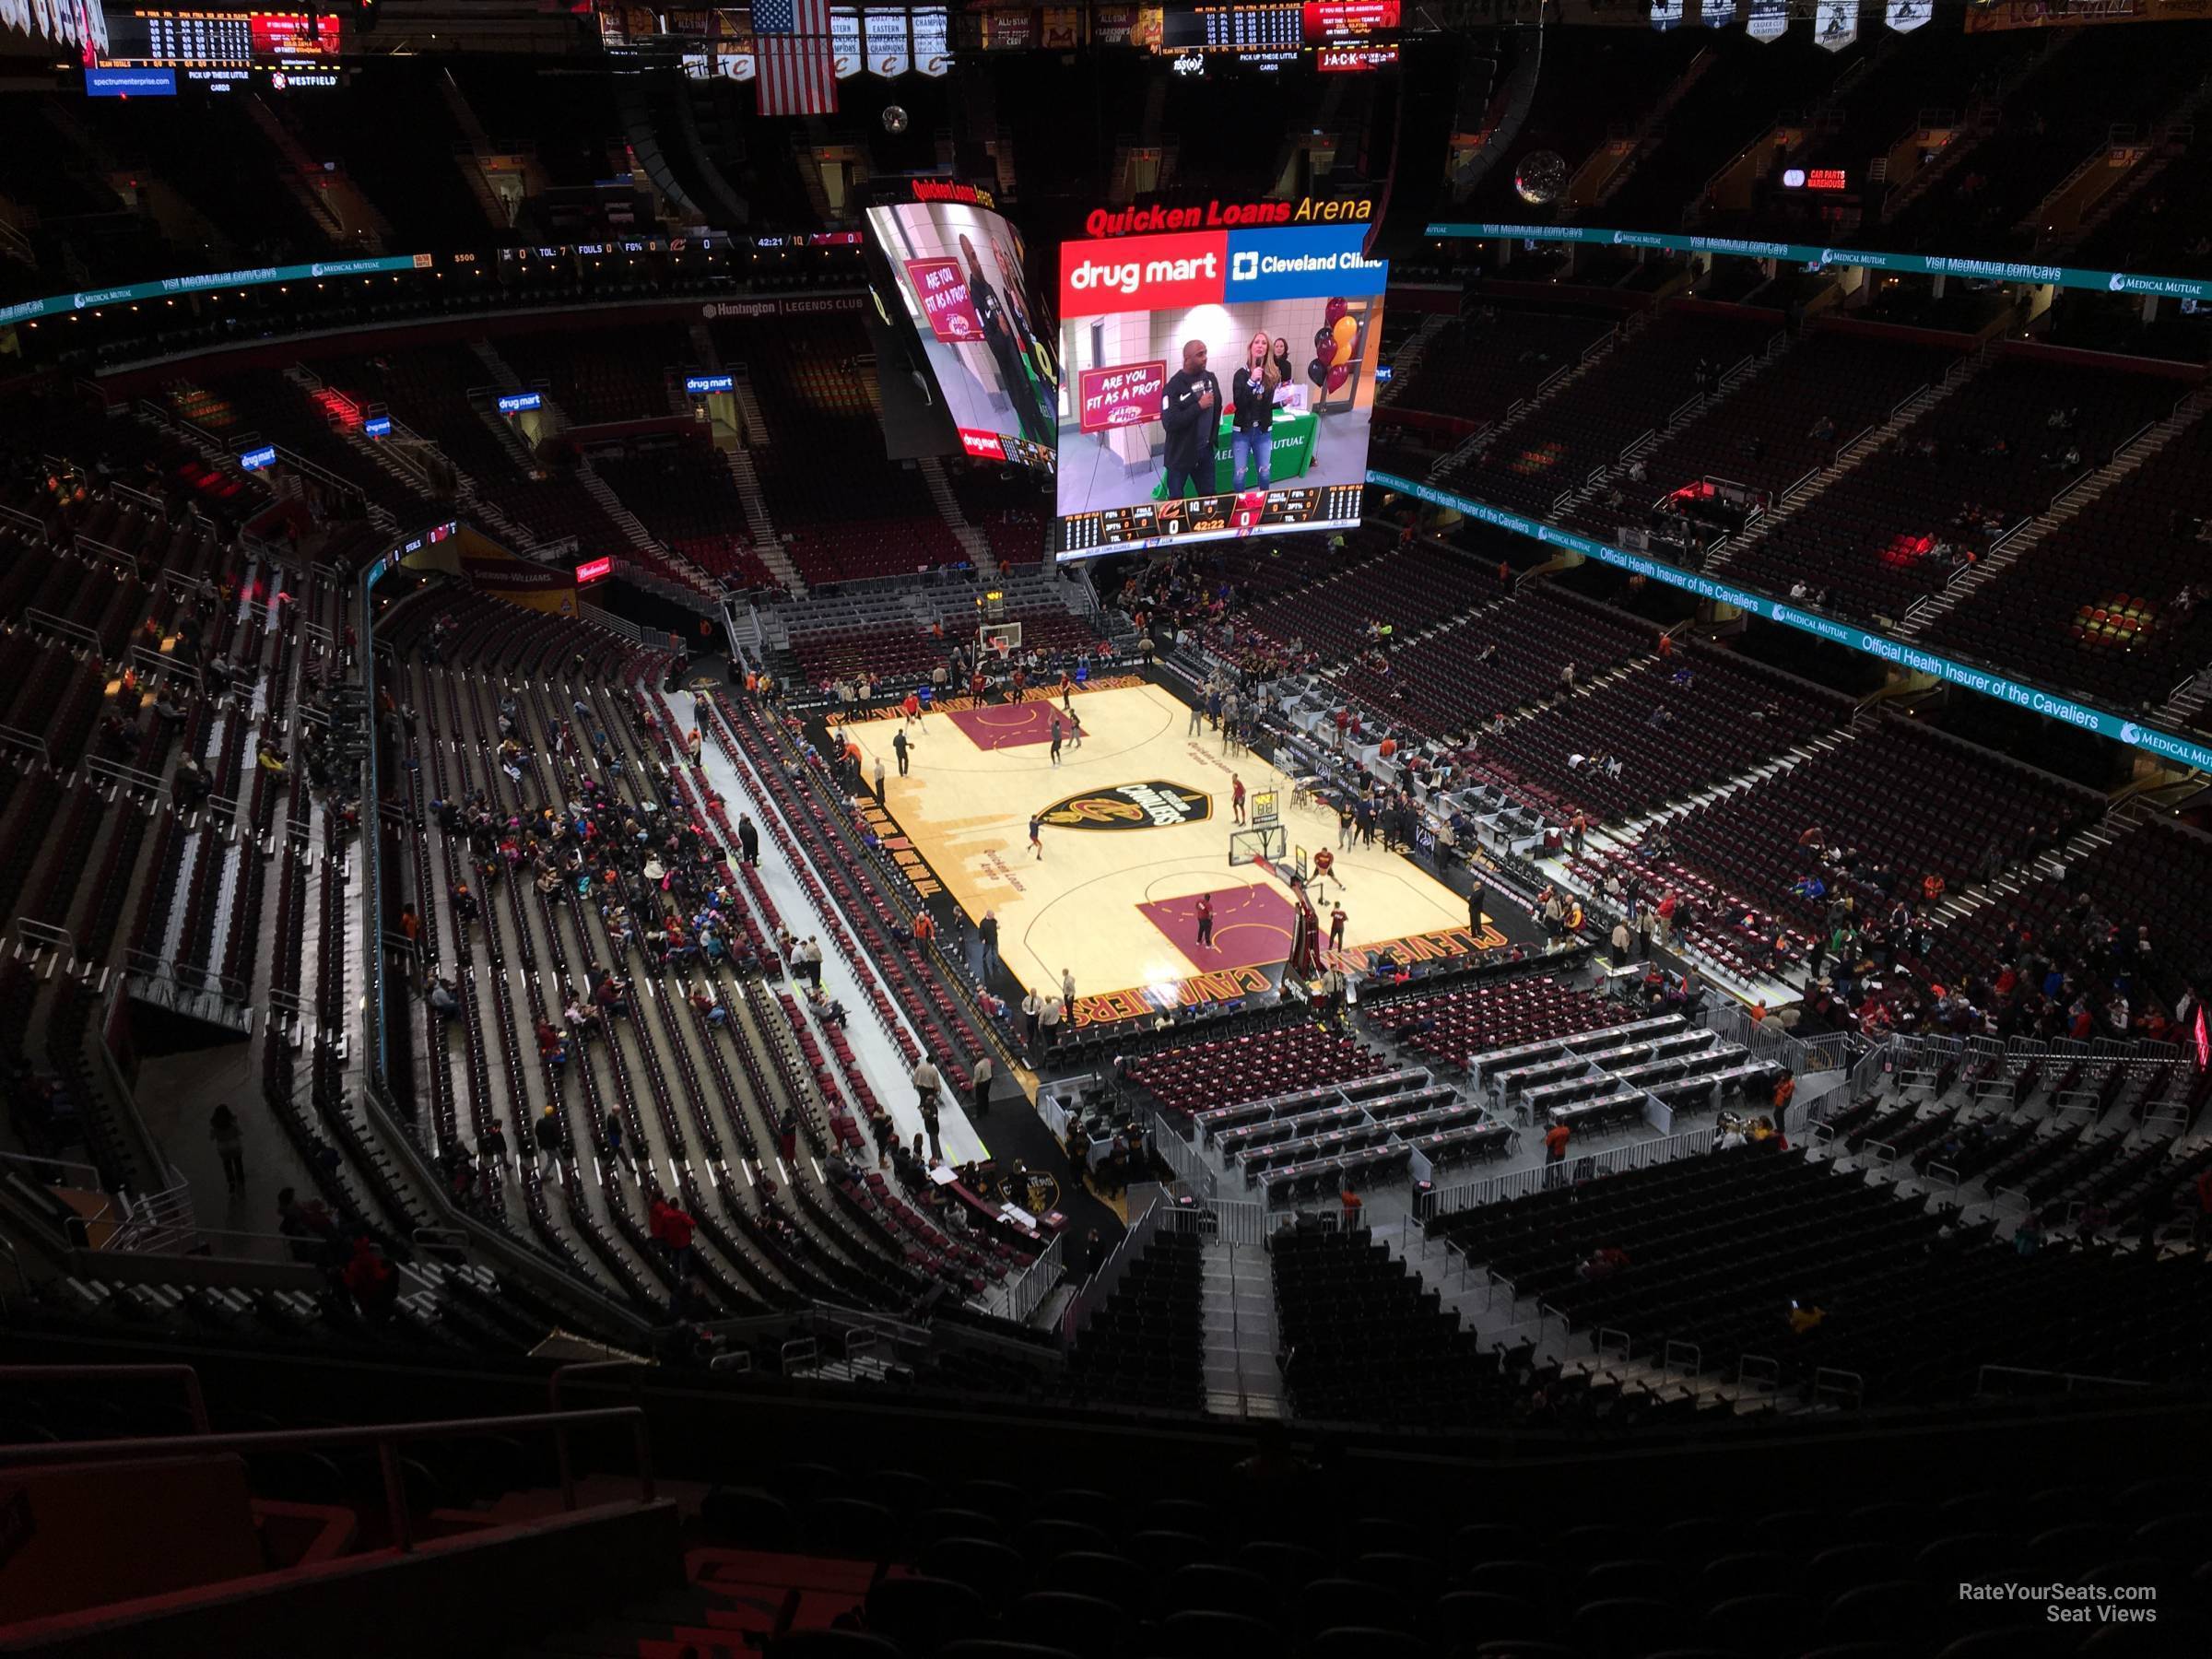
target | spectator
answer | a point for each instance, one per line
(1555, 1153)
(671, 1230)
(546, 1131)
(370, 1277)
(230, 1146)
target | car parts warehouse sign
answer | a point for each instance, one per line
(2168, 746)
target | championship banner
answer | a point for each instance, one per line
(1769, 20)
(1716, 14)
(1905, 16)
(1124, 396)
(945, 301)
(1666, 15)
(933, 42)
(1836, 25)
(888, 55)
(844, 43)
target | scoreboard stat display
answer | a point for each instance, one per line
(1203, 518)
(221, 37)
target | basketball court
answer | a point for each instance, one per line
(1135, 824)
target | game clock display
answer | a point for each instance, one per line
(1208, 518)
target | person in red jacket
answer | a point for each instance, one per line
(370, 1277)
(671, 1230)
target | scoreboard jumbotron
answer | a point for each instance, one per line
(1210, 517)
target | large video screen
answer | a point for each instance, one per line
(1217, 382)
(957, 268)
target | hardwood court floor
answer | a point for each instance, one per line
(1137, 825)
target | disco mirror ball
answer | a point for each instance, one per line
(1542, 178)
(894, 120)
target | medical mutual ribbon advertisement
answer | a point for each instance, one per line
(1215, 361)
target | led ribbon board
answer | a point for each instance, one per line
(2167, 746)
(1907, 264)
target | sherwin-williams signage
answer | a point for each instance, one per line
(1908, 264)
(2167, 746)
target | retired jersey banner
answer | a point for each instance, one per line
(1905, 16)
(1062, 29)
(1770, 20)
(1716, 14)
(1836, 24)
(78, 24)
(886, 34)
(1666, 15)
(844, 43)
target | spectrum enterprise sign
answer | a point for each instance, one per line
(1218, 268)
(2166, 746)
(1818, 259)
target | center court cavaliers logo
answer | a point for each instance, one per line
(1153, 805)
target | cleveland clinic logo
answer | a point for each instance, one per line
(1243, 267)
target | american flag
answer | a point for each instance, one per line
(796, 74)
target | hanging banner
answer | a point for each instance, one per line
(1666, 15)
(738, 65)
(1769, 20)
(1905, 16)
(2074, 13)
(933, 44)
(887, 55)
(74, 24)
(844, 43)
(1716, 14)
(1112, 25)
(1063, 29)
(1010, 31)
(1836, 24)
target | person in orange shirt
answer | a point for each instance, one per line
(1555, 1153)
(925, 927)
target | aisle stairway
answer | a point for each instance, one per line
(976, 544)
